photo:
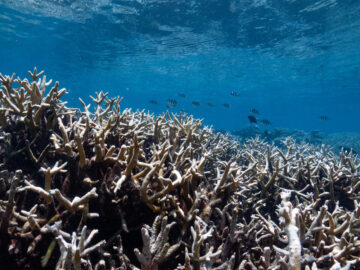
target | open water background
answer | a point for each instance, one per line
(292, 60)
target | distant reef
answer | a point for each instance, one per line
(338, 141)
(111, 188)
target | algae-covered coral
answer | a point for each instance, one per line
(106, 188)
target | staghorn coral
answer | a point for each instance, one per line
(156, 248)
(214, 203)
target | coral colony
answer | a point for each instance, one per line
(103, 188)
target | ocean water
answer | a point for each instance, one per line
(293, 60)
(267, 68)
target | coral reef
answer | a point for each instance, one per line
(115, 189)
(345, 141)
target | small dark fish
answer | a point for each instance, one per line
(235, 94)
(252, 119)
(254, 111)
(195, 104)
(210, 104)
(265, 122)
(154, 102)
(171, 103)
(226, 105)
(324, 117)
(182, 95)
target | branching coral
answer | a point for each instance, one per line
(9, 204)
(199, 234)
(114, 172)
(75, 251)
(156, 248)
(289, 219)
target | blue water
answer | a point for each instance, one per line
(291, 60)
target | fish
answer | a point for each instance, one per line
(234, 94)
(254, 111)
(195, 104)
(182, 95)
(152, 101)
(265, 122)
(226, 105)
(171, 103)
(324, 117)
(210, 104)
(252, 119)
